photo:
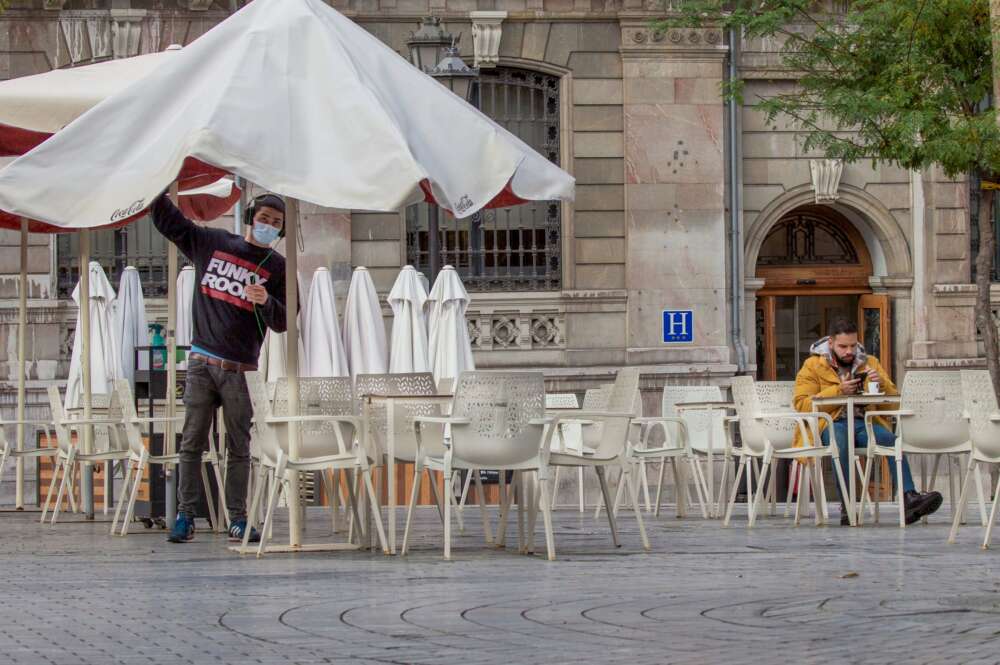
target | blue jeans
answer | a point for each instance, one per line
(882, 436)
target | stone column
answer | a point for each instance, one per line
(675, 190)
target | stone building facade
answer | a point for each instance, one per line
(636, 115)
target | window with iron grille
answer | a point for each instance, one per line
(139, 244)
(506, 249)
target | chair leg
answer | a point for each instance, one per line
(334, 499)
(277, 486)
(501, 535)
(52, 487)
(68, 468)
(221, 484)
(659, 486)
(956, 518)
(864, 494)
(450, 496)
(979, 494)
(634, 488)
(125, 493)
(522, 538)
(555, 486)
(680, 508)
(817, 493)
(993, 520)
(206, 487)
(933, 485)
(543, 498)
(607, 500)
(802, 482)
(699, 486)
(618, 493)
(414, 493)
(736, 488)
(645, 485)
(761, 474)
(723, 484)
(481, 495)
(791, 487)
(435, 496)
(352, 493)
(376, 513)
(133, 495)
(751, 495)
(465, 488)
(253, 517)
(447, 514)
(328, 491)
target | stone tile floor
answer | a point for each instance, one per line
(70, 594)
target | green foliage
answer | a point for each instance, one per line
(904, 82)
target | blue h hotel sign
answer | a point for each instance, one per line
(678, 326)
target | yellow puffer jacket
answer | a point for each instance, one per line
(818, 378)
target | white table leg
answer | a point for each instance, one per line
(390, 465)
(710, 476)
(852, 483)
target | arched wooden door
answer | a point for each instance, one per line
(815, 266)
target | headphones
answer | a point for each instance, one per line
(266, 200)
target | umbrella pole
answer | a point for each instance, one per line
(292, 365)
(86, 470)
(22, 341)
(171, 390)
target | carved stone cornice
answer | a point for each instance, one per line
(640, 38)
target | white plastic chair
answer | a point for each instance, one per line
(984, 435)
(929, 421)
(9, 451)
(606, 436)
(767, 434)
(328, 439)
(497, 422)
(70, 458)
(139, 458)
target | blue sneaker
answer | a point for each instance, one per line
(183, 531)
(238, 528)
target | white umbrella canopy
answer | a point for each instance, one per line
(324, 349)
(131, 325)
(450, 349)
(105, 359)
(109, 164)
(185, 309)
(408, 351)
(364, 329)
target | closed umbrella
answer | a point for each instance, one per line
(131, 326)
(364, 329)
(324, 349)
(409, 351)
(105, 359)
(450, 349)
(273, 352)
(185, 309)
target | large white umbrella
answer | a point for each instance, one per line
(105, 359)
(450, 349)
(185, 309)
(408, 351)
(364, 329)
(324, 349)
(339, 133)
(131, 326)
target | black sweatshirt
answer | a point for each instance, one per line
(225, 322)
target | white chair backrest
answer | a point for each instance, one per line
(981, 403)
(701, 425)
(596, 399)
(404, 411)
(561, 401)
(935, 398)
(131, 429)
(500, 406)
(63, 436)
(753, 398)
(610, 437)
(777, 397)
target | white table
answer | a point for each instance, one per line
(850, 402)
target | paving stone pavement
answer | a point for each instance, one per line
(72, 595)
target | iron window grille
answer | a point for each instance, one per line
(507, 249)
(139, 244)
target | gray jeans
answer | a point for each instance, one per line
(207, 389)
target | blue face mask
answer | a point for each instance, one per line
(265, 234)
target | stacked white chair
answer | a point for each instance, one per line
(984, 429)
(9, 450)
(130, 426)
(929, 421)
(767, 430)
(329, 440)
(70, 456)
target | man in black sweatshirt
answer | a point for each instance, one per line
(240, 294)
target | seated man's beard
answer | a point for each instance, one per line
(843, 362)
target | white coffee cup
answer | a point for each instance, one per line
(873, 387)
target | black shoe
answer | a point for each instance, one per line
(918, 505)
(845, 517)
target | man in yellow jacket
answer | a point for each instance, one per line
(838, 366)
